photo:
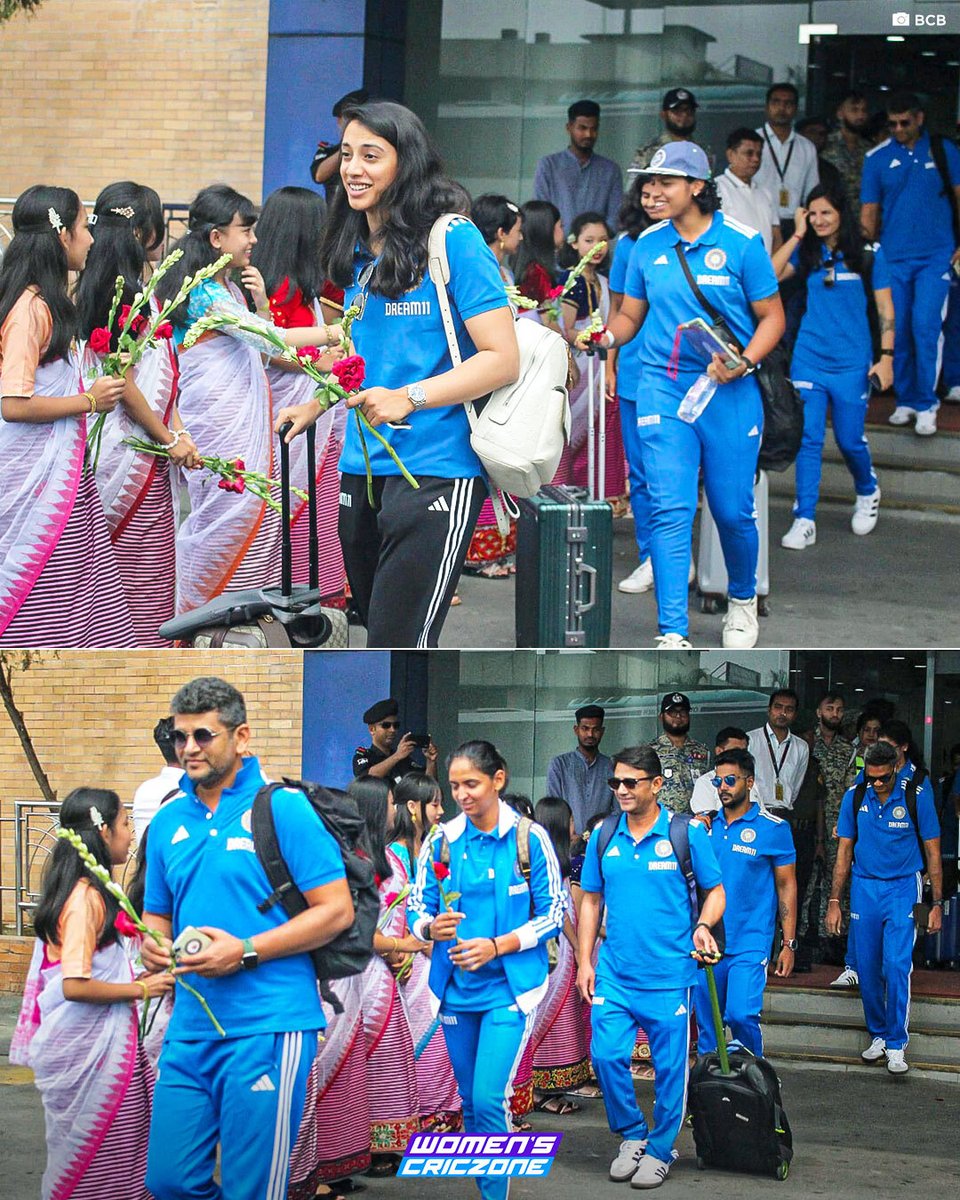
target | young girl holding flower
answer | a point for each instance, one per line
(77, 1028)
(231, 538)
(135, 488)
(59, 580)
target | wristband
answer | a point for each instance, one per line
(91, 398)
(177, 435)
(702, 925)
(886, 354)
(146, 993)
(609, 339)
(496, 948)
(833, 900)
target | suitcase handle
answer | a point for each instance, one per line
(717, 1020)
(286, 544)
(591, 574)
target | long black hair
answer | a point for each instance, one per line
(484, 756)
(36, 258)
(65, 869)
(418, 195)
(129, 224)
(491, 212)
(372, 795)
(850, 242)
(214, 208)
(288, 242)
(414, 788)
(568, 256)
(539, 219)
(554, 814)
(633, 216)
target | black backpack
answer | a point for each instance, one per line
(679, 834)
(910, 801)
(350, 951)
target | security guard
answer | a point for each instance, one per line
(905, 202)
(730, 266)
(881, 842)
(756, 856)
(682, 758)
(646, 971)
(383, 757)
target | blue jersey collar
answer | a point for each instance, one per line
(660, 828)
(709, 237)
(245, 776)
(750, 815)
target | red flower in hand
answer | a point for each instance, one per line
(100, 340)
(308, 354)
(238, 484)
(139, 325)
(164, 331)
(598, 337)
(442, 871)
(350, 372)
(124, 316)
(555, 293)
(125, 926)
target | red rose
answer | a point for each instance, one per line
(239, 465)
(555, 293)
(124, 316)
(125, 926)
(237, 484)
(308, 354)
(100, 340)
(350, 372)
(164, 331)
(139, 325)
(442, 871)
(598, 337)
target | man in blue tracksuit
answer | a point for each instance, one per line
(878, 836)
(645, 974)
(756, 856)
(903, 203)
(245, 1090)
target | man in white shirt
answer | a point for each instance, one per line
(154, 792)
(781, 757)
(740, 195)
(706, 798)
(788, 170)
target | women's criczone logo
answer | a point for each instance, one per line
(477, 1154)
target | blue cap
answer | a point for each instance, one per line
(679, 158)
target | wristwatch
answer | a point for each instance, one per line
(936, 904)
(790, 944)
(427, 936)
(751, 365)
(416, 395)
(250, 958)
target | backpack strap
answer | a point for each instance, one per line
(910, 799)
(858, 794)
(604, 835)
(939, 156)
(267, 846)
(679, 834)
(523, 852)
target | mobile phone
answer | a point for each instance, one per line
(190, 941)
(874, 381)
(420, 740)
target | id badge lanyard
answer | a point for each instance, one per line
(778, 766)
(781, 171)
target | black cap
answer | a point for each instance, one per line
(677, 96)
(383, 708)
(675, 700)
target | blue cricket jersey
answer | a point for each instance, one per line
(886, 839)
(915, 220)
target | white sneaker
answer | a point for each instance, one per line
(639, 580)
(692, 573)
(896, 1063)
(801, 534)
(953, 396)
(848, 978)
(741, 628)
(876, 1050)
(866, 512)
(650, 1174)
(672, 641)
(902, 415)
(624, 1166)
(926, 425)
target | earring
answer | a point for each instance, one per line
(502, 244)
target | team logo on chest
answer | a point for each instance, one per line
(748, 836)
(899, 813)
(715, 259)
(663, 849)
(247, 820)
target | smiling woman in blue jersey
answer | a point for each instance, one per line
(404, 554)
(507, 899)
(731, 268)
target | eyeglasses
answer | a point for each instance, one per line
(628, 781)
(900, 124)
(203, 737)
(729, 780)
(389, 724)
(830, 273)
(883, 780)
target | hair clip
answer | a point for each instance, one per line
(571, 239)
(513, 208)
(96, 817)
(127, 212)
(54, 218)
(92, 219)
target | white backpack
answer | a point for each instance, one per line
(520, 432)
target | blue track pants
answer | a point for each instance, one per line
(247, 1094)
(883, 912)
(741, 979)
(724, 442)
(920, 292)
(485, 1050)
(639, 497)
(615, 1016)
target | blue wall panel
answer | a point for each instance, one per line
(338, 688)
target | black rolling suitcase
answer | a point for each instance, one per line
(277, 617)
(738, 1118)
(564, 569)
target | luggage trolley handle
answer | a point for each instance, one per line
(717, 1020)
(286, 565)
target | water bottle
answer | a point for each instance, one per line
(697, 398)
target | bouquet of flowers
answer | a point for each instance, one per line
(138, 333)
(128, 921)
(556, 296)
(345, 377)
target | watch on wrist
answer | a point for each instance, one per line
(427, 936)
(790, 944)
(751, 365)
(936, 904)
(416, 395)
(886, 353)
(250, 958)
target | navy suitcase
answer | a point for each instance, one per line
(564, 569)
(943, 949)
(738, 1119)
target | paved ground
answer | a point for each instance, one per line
(859, 1135)
(895, 588)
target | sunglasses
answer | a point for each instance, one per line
(628, 781)
(830, 273)
(203, 737)
(729, 780)
(883, 780)
(389, 724)
(900, 124)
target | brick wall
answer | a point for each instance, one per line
(14, 962)
(170, 94)
(91, 717)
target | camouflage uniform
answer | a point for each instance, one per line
(641, 160)
(850, 165)
(834, 763)
(681, 768)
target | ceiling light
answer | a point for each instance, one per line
(895, 37)
(861, 689)
(899, 658)
(928, 54)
